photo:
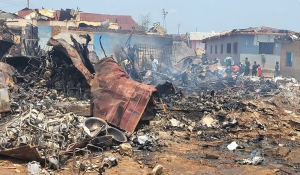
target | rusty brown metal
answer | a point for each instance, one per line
(23, 152)
(6, 80)
(73, 54)
(6, 75)
(118, 99)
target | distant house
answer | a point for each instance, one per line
(290, 55)
(242, 43)
(125, 22)
(6, 15)
(81, 19)
(194, 39)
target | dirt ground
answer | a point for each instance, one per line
(180, 158)
(189, 155)
(192, 149)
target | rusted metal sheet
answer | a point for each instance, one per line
(6, 80)
(118, 99)
(23, 152)
(73, 54)
(6, 75)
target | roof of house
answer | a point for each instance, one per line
(24, 12)
(251, 31)
(199, 35)
(4, 14)
(124, 21)
(289, 37)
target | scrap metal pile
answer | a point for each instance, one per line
(45, 101)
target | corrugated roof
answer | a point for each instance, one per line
(4, 14)
(24, 12)
(118, 99)
(124, 21)
(199, 35)
(252, 31)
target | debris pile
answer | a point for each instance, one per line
(62, 111)
(47, 100)
(244, 121)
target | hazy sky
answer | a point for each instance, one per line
(192, 15)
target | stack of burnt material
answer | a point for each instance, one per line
(44, 102)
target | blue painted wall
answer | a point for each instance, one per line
(112, 42)
(44, 34)
(249, 44)
(246, 45)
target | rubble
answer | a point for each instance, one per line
(126, 149)
(64, 112)
(232, 146)
(157, 170)
(49, 98)
(34, 168)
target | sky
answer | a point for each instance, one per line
(185, 15)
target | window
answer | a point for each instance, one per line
(221, 48)
(216, 49)
(205, 46)
(210, 49)
(228, 47)
(266, 48)
(289, 59)
(235, 48)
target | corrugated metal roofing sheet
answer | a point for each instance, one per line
(24, 12)
(4, 14)
(252, 31)
(118, 99)
(199, 35)
(126, 22)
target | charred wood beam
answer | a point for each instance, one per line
(83, 52)
(74, 56)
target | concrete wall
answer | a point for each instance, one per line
(250, 49)
(44, 33)
(270, 60)
(248, 46)
(65, 34)
(250, 43)
(112, 42)
(24, 22)
(224, 40)
(197, 44)
(294, 70)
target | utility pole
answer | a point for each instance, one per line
(27, 3)
(164, 13)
